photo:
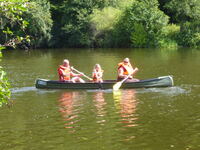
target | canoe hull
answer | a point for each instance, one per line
(164, 81)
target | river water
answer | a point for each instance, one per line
(133, 119)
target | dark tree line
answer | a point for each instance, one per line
(108, 23)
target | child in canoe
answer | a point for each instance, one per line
(97, 74)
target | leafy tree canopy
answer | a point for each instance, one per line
(146, 16)
(181, 10)
(10, 19)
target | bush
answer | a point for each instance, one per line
(103, 22)
(190, 34)
(169, 36)
(145, 16)
(12, 26)
(139, 36)
(4, 85)
(105, 19)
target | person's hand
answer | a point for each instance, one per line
(81, 74)
(130, 77)
(136, 69)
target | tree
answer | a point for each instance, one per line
(12, 23)
(72, 21)
(190, 34)
(144, 15)
(103, 22)
(10, 19)
(40, 23)
(181, 10)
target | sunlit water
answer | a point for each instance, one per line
(132, 119)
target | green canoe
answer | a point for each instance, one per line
(164, 81)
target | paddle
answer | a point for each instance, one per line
(81, 73)
(118, 84)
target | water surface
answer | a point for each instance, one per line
(132, 119)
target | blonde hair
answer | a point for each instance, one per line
(66, 61)
(97, 66)
(126, 60)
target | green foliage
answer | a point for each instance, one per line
(4, 88)
(19, 18)
(73, 26)
(190, 34)
(167, 43)
(108, 3)
(4, 84)
(106, 18)
(98, 23)
(139, 36)
(182, 10)
(116, 3)
(125, 3)
(169, 36)
(12, 24)
(40, 23)
(146, 15)
(83, 23)
(103, 22)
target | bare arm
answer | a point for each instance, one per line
(121, 73)
(61, 72)
(135, 70)
(75, 75)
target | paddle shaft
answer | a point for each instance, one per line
(125, 78)
(81, 73)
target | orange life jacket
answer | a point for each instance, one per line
(95, 75)
(67, 72)
(128, 69)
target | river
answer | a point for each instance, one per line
(132, 119)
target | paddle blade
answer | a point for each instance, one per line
(117, 86)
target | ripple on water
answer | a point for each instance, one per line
(100, 90)
(170, 91)
(30, 89)
(23, 89)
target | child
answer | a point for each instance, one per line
(97, 73)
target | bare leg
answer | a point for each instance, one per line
(77, 79)
(132, 80)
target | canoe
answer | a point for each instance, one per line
(164, 81)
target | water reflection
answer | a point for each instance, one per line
(66, 108)
(99, 103)
(126, 103)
